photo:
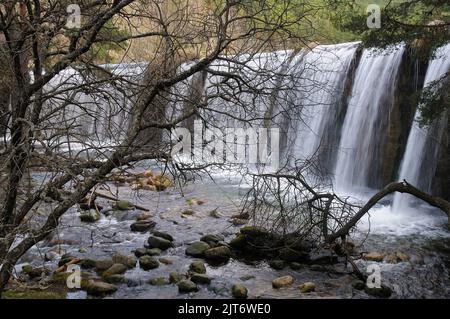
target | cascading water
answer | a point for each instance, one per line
(420, 160)
(322, 75)
(372, 98)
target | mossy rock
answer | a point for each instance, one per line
(175, 277)
(123, 205)
(383, 292)
(239, 242)
(198, 267)
(277, 264)
(148, 263)
(197, 249)
(160, 281)
(239, 291)
(186, 286)
(159, 242)
(116, 269)
(201, 279)
(33, 294)
(254, 231)
(161, 234)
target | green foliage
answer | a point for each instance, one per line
(110, 35)
(435, 101)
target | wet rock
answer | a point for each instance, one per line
(175, 277)
(160, 234)
(148, 263)
(198, 267)
(35, 272)
(197, 249)
(358, 284)
(115, 279)
(277, 264)
(143, 226)
(210, 238)
(402, 256)
(239, 291)
(90, 216)
(154, 252)
(128, 261)
(383, 292)
(166, 260)
(201, 279)
(143, 216)
(104, 264)
(239, 242)
(123, 205)
(292, 255)
(98, 288)
(186, 286)
(239, 222)
(307, 287)
(88, 263)
(158, 242)
(160, 281)
(374, 256)
(141, 252)
(50, 256)
(282, 282)
(116, 269)
(218, 255)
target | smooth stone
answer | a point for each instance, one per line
(175, 277)
(166, 260)
(99, 288)
(160, 281)
(210, 238)
(218, 255)
(374, 256)
(239, 291)
(141, 252)
(307, 287)
(163, 235)
(104, 264)
(198, 267)
(142, 226)
(187, 286)
(115, 279)
(90, 216)
(282, 282)
(277, 264)
(116, 269)
(154, 252)
(158, 242)
(128, 261)
(201, 279)
(197, 249)
(148, 263)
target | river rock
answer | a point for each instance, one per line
(175, 277)
(142, 226)
(116, 269)
(166, 260)
(90, 216)
(163, 235)
(374, 256)
(128, 261)
(148, 263)
(218, 255)
(115, 279)
(104, 264)
(187, 286)
(98, 288)
(197, 249)
(282, 282)
(201, 279)
(143, 216)
(210, 238)
(140, 252)
(307, 287)
(277, 264)
(154, 252)
(239, 291)
(160, 281)
(198, 267)
(292, 255)
(358, 284)
(123, 205)
(158, 242)
(239, 242)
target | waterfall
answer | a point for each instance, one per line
(358, 159)
(420, 160)
(322, 75)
